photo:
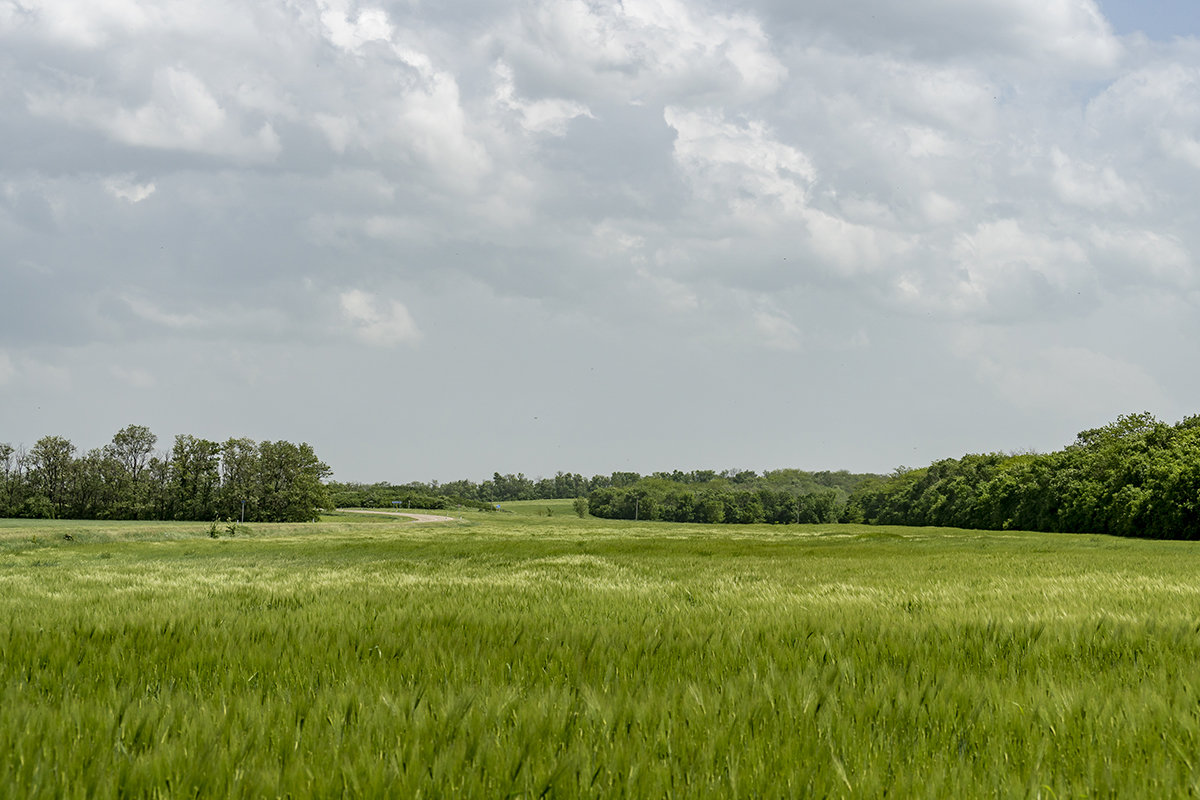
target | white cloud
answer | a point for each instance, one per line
(1074, 30)
(181, 114)
(415, 115)
(368, 25)
(836, 180)
(377, 322)
(79, 24)
(776, 331)
(1092, 187)
(743, 165)
(1003, 266)
(96, 24)
(641, 48)
(549, 115)
(123, 187)
(1141, 256)
(850, 248)
(147, 310)
(1156, 106)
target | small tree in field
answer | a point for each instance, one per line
(581, 506)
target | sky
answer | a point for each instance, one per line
(442, 240)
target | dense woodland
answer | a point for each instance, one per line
(1135, 477)
(197, 479)
(784, 495)
(779, 496)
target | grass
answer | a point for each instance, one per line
(523, 654)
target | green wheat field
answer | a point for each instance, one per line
(530, 653)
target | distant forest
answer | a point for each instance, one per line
(197, 480)
(736, 496)
(1134, 477)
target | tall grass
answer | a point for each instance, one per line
(526, 655)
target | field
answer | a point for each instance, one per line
(529, 653)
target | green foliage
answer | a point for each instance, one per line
(199, 479)
(536, 656)
(1134, 477)
(568, 486)
(719, 501)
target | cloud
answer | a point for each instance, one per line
(1155, 106)
(377, 322)
(537, 116)
(776, 330)
(1092, 187)
(642, 49)
(181, 114)
(7, 370)
(743, 165)
(693, 181)
(147, 310)
(1001, 271)
(368, 25)
(124, 188)
(415, 114)
(1132, 257)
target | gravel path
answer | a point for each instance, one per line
(416, 517)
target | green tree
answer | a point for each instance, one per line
(131, 450)
(194, 477)
(10, 479)
(50, 470)
(240, 478)
(290, 487)
(131, 447)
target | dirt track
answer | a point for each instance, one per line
(415, 517)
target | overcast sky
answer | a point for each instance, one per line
(442, 239)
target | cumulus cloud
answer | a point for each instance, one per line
(368, 25)
(180, 114)
(549, 115)
(381, 323)
(1092, 186)
(646, 49)
(125, 188)
(772, 178)
(743, 165)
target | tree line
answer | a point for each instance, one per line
(197, 479)
(1137, 476)
(675, 503)
(734, 497)
(568, 485)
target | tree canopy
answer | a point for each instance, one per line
(197, 479)
(1134, 477)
